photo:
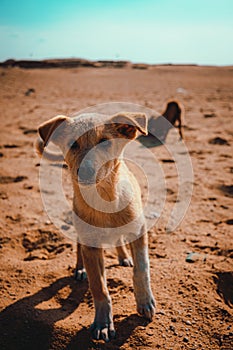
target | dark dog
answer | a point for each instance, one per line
(159, 127)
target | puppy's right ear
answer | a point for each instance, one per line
(47, 129)
(127, 123)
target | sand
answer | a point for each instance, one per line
(42, 306)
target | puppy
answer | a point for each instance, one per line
(107, 207)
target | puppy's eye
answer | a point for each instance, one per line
(105, 143)
(74, 146)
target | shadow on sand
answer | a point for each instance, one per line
(124, 329)
(25, 327)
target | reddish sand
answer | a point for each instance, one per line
(42, 307)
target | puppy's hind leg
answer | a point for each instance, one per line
(123, 256)
(79, 272)
(141, 277)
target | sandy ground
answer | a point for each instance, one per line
(42, 306)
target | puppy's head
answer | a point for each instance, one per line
(92, 144)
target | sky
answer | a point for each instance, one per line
(150, 31)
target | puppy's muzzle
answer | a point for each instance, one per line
(86, 172)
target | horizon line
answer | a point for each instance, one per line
(82, 61)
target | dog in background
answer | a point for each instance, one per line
(93, 149)
(158, 127)
(174, 114)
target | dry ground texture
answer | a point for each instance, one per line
(41, 306)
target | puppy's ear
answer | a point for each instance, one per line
(46, 129)
(127, 123)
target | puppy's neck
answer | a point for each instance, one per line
(106, 187)
(100, 205)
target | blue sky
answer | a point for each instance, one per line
(153, 31)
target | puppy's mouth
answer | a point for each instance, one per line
(86, 176)
(87, 182)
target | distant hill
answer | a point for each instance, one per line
(63, 63)
(78, 62)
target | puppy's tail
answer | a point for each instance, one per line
(40, 149)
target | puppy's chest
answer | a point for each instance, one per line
(96, 211)
(103, 219)
(108, 205)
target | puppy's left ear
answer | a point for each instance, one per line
(127, 123)
(48, 128)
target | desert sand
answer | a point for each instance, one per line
(42, 306)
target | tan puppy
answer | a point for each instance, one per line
(107, 203)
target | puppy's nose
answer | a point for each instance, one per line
(86, 173)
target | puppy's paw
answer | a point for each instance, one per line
(80, 274)
(103, 331)
(147, 308)
(126, 261)
(103, 327)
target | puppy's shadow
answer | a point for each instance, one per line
(124, 330)
(158, 131)
(26, 326)
(126, 327)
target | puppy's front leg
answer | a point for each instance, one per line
(141, 277)
(102, 326)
